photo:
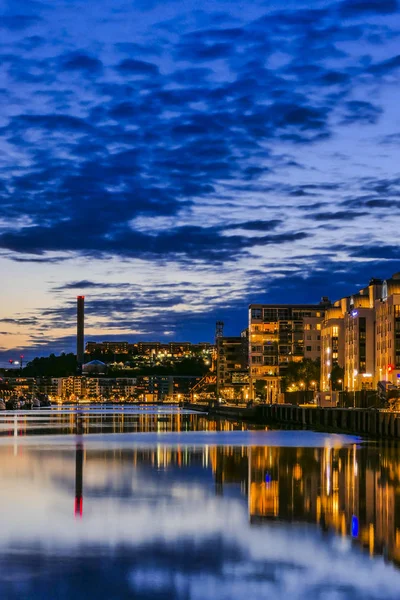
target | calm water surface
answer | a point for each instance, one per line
(150, 504)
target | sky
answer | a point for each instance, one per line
(175, 161)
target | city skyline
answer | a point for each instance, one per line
(174, 165)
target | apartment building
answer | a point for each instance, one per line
(279, 334)
(359, 326)
(232, 363)
(348, 339)
(387, 315)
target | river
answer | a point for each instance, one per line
(155, 504)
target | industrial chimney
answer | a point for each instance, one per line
(80, 333)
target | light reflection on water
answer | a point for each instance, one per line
(192, 521)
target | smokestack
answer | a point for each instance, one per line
(80, 333)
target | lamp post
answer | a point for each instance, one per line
(341, 389)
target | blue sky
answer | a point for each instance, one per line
(174, 161)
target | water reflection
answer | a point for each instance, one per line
(95, 421)
(198, 522)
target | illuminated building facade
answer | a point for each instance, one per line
(174, 349)
(279, 334)
(106, 347)
(359, 331)
(387, 313)
(232, 371)
(332, 341)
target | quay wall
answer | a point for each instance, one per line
(375, 423)
(359, 421)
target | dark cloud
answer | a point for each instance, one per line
(87, 284)
(337, 216)
(256, 225)
(358, 8)
(79, 61)
(18, 22)
(374, 251)
(131, 66)
(361, 112)
(20, 321)
(113, 143)
(385, 66)
(204, 52)
(206, 244)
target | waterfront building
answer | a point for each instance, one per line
(387, 314)
(116, 387)
(348, 339)
(78, 387)
(160, 388)
(232, 367)
(332, 341)
(279, 334)
(359, 334)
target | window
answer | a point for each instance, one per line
(270, 314)
(256, 313)
(308, 348)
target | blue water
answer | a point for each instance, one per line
(170, 505)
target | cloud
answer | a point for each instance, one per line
(337, 216)
(131, 66)
(361, 112)
(256, 225)
(18, 22)
(385, 66)
(207, 143)
(80, 61)
(358, 8)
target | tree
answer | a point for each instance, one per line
(51, 366)
(302, 375)
(337, 378)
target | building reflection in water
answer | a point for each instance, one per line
(352, 491)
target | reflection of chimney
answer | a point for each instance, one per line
(80, 333)
(79, 480)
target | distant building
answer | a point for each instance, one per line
(150, 349)
(107, 347)
(94, 366)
